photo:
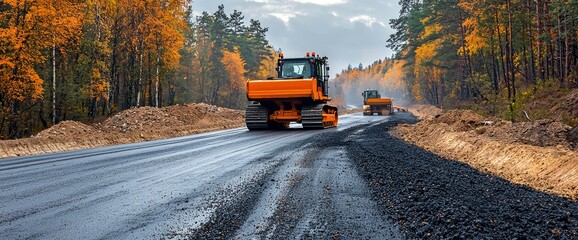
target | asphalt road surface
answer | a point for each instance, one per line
(350, 182)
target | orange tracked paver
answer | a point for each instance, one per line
(299, 94)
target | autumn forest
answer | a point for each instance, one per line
(87, 60)
(496, 57)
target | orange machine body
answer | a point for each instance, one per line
(284, 89)
(288, 95)
(374, 103)
(379, 101)
(292, 99)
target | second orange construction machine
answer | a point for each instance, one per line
(373, 103)
(299, 93)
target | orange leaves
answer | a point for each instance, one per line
(235, 66)
(98, 88)
(25, 84)
(12, 3)
(385, 75)
(474, 40)
(476, 33)
(429, 60)
(483, 22)
(466, 6)
(430, 29)
(6, 63)
(9, 37)
(22, 41)
(267, 67)
(425, 54)
(394, 77)
(159, 25)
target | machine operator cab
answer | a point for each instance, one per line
(305, 68)
(295, 68)
(367, 94)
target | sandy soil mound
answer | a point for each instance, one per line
(66, 129)
(179, 117)
(132, 125)
(425, 111)
(461, 120)
(543, 133)
(531, 153)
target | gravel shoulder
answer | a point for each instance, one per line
(536, 154)
(432, 197)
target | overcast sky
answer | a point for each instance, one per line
(346, 31)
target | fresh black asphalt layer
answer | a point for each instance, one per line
(432, 197)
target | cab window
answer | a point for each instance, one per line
(296, 69)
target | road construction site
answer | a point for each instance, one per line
(357, 180)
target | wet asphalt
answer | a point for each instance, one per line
(350, 182)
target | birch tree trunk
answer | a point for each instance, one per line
(54, 83)
(139, 81)
(157, 82)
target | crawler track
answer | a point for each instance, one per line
(312, 116)
(256, 117)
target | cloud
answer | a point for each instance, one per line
(279, 11)
(347, 32)
(367, 20)
(322, 2)
(285, 17)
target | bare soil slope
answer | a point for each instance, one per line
(130, 126)
(567, 108)
(424, 112)
(133, 125)
(536, 154)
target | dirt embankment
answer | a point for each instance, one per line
(425, 112)
(537, 154)
(566, 108)
(129, 126)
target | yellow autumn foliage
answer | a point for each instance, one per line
(235, 66)
(267, 67)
